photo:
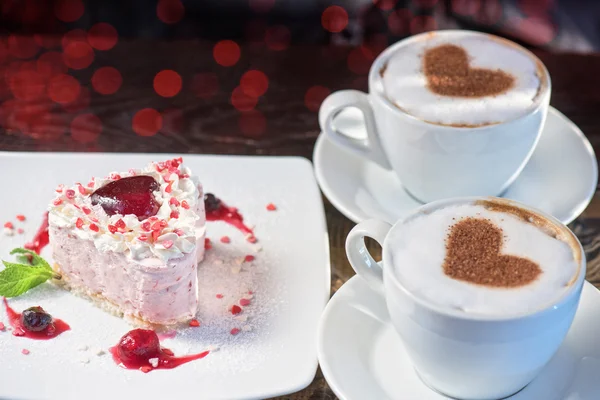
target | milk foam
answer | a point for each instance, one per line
(419, 250)
(405, 84)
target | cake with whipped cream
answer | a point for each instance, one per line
(132, 241)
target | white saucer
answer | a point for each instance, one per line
(362, 358)
(560, 178)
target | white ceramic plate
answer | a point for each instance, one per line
(291, 280)
(560, 178)
(362, 357)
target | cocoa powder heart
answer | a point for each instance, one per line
(473, 255)
(448, 73)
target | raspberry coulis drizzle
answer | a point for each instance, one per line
(138, 347)
(57, 326)
(41, 238)
(216, 210)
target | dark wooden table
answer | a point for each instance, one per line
(210, 124)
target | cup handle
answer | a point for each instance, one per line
(369, 148)
(360, 259)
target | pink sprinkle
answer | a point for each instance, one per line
(219, 296)
(8, 225)
(2, 327)
(20, 231)
(70, 193)
(163, 223)
(169, 189)
(235, 309)
(25, 351)
(174, 201)
(86, 210)
(112, 228)
(59, 188)
(225, 239)
(115, 176)
(57, 202)
(146, 226)
(167, 244)
(249, 258)
(94, 227)
(235, 331)
(271, 207)
(81, 188)
(194, 323)
(250, 292)
(185, 205)
(145, 368)
(244, 302)
(179, 232)
(79, 223)
(143, 238)
(174, 214)
(251, 239)
(21, 217)
(94, 219)
(90, 184)
(120, 224)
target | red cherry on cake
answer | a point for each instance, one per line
(138, 346)
(131, 195)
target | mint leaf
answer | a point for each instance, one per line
(16, 279)
(36, 260)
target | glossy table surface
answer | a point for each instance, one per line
(201, 118)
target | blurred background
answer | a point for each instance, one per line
(74, 73)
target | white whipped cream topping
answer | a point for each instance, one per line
(181, 213)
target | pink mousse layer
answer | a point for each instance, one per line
(156, 291)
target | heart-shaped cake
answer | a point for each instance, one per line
(449, 73)
(474, 255)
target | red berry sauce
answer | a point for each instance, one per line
(41, 238)
(131, 195)
(137, 347)
(53, 330)
(216, 210)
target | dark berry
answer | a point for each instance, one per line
(138, 346)
(35, 319)
(131, 195)
(211, 202)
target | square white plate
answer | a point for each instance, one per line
(276, 357)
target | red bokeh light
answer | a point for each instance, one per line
(106, 80)
(167, 83)
(81, 103)
(242, 101)
(535, 8)
(261, 6)
(85, 128)
(422, 23)
(24, 114)
(226, 53)
(205, 84)
(75, 35)
(278, 38)
(466, 7)
(17, 66)
(50, 64)
(68, 10)
(537, 31)
(385, 4)
(490, 14)
(172, 121)
(48, 126)
(425, 3)
(3, 51)
(334, 19)
(314, 97)
(78, 55)
(147, 122)
(399, 22)
(102, 36)
(252, 123)
(21, 46)
(254, 83)
(47, 41)
(170, 11)
(360, 60)
(63, 88)
(27, 85)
